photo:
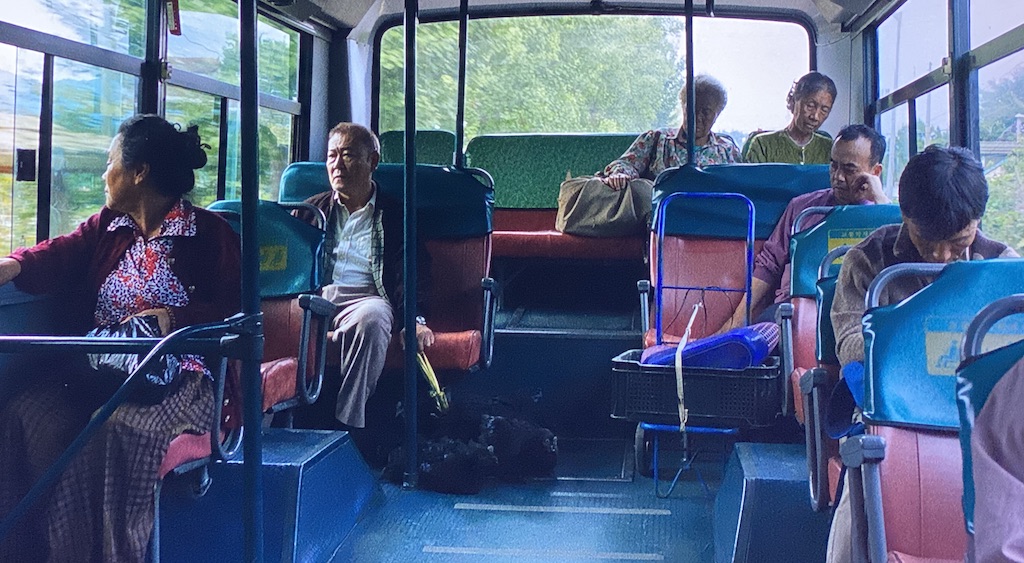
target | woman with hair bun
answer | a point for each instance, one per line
(810, 100)
(148, 252)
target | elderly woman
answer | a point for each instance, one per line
(147, 252)
(810, 100)
(659, 149)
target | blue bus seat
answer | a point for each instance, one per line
(704, 242)
(909, 461)
(454, 216)
(978, 377)
(812, 386)
(911, 348)
(840, 226)
(527, 171)
(294, 327)
(433, 146)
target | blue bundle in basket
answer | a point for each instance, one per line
(740, 348)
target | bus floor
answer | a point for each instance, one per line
(594, 509)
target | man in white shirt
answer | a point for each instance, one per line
(366, 274)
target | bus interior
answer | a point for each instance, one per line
(495, 104)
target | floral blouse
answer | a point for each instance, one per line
(659, 149)
(143, 279)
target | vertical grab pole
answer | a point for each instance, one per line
(459, 158)
(252, 446)
(691, 111)
(411, 365)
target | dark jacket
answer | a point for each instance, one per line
(388, 251)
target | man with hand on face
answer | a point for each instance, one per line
(854, 175)
(365, 249)
(942, 197)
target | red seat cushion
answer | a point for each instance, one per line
(798, 397)
(805, 329)
(530, 233)
(278, 380)
(183, 449)
(922, 486)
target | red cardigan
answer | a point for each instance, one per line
(76, 265)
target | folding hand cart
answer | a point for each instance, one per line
(720, 401)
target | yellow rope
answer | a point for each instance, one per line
(435, 388)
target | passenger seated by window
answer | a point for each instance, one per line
(658, 149)
(147, 252)
(365, 251)
(942, 196)
(810, 101)
(855, 176)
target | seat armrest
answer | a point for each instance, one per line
(317, 305)
(487, 344)
(309, 390)
(812, 384)
(784, 318)
(861, 455)
(643, 288)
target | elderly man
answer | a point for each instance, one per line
(854, 175)
(942, 196)
(365, 246)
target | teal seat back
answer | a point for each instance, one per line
(451, 203)
(912, 348)
(433, 146)
(974, 383)
(528, 169)
(290, 249)
(847, 224)
(825, 291)
(769, 186)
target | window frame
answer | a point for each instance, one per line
(486, 12)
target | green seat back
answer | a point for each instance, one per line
(290, 249)
(432, 146)
(847, 224)
(912, 348)
(528, 169)
(974, 384)
(451, 203)
(769, 186)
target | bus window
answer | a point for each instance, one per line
(992, 18)
(893, 125)
(20, 95)
(116, 25)
(89, 105)
(912, 42)
(587, 74)
(191, 107)
(1001, 117)
(208, 46)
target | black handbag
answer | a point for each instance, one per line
(109, 370)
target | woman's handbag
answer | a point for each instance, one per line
(109, 370)
(589, 207)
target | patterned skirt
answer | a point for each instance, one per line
(102, 507)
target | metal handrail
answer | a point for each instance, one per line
(135, 379)
(815, 210)
(985, 319)
(832, 256)
(874, 295)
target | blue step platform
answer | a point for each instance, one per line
(315, 485)
(763, 512)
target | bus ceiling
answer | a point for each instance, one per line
(364, 16)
